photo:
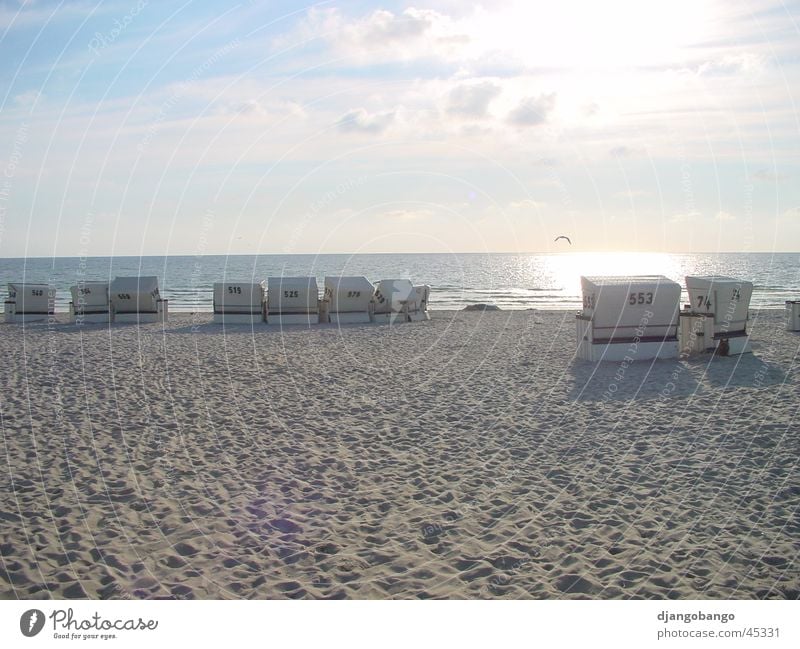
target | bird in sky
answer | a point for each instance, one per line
(569, 241)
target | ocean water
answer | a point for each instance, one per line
(511, 281)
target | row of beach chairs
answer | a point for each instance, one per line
(627, 318)
(278, 300)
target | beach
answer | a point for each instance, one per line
(470, 456)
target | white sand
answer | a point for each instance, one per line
(465, 457)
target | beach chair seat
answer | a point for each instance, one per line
(137, 299)
(239, 302)
(292, 301)
(29, 302)
(347, 300)
(90, 303)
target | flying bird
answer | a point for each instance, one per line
(569, 241)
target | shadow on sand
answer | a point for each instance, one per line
(616, 382)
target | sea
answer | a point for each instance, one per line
(507, 280)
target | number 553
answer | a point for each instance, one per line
(640, 298)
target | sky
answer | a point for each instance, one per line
(135, 127)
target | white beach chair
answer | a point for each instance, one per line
(29, 302)
(347, 300)
(90, 303)
(292, 300)
(239, 302)
(628, 318)
(418, 309)
(716, 317)
(792, 315)
(392, 300)
(136, 299)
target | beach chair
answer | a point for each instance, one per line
(239, 302)
(292, 300)
(90, 303)
(29, 302)
(715, 320)
(392, 300)
(136, 299)
(418, 309)
(792, 315)
(347, 300)
(628, 318)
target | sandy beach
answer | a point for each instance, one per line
(466, 457)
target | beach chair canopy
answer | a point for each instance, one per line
(32, 298)
(727, 298)
(638, 306)
(90, 297)
(421, 295)
(392, 295)
(238, 297)
(134, 294)
(348, 294)
(287, 295)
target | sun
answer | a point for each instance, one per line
(585, 34)
(565, 270)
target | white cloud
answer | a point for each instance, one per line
(525, 205)
(724, 216)
(408, 215)
(472, 99)
(622, 151)
(359, 120)
(686, 217)
(27, 99)
(383, 35)
(769, 176)
(532, 111)
(734, 64)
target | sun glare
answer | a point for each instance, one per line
(566, 269)
(577, 33)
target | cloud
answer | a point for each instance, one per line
(27, 99)
(630, 194)
(686, 217)
(525, 205)
(734, 64)
(768, 176)
(408, 215)
(793, 213)
(360, 121)
(590, 109)
(251, 107)
(384, 35)
(472, 99)
(385, 26)
(621, 151)
(260, 109)
(532, 111)
(724, 216)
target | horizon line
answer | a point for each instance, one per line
(353, 254)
